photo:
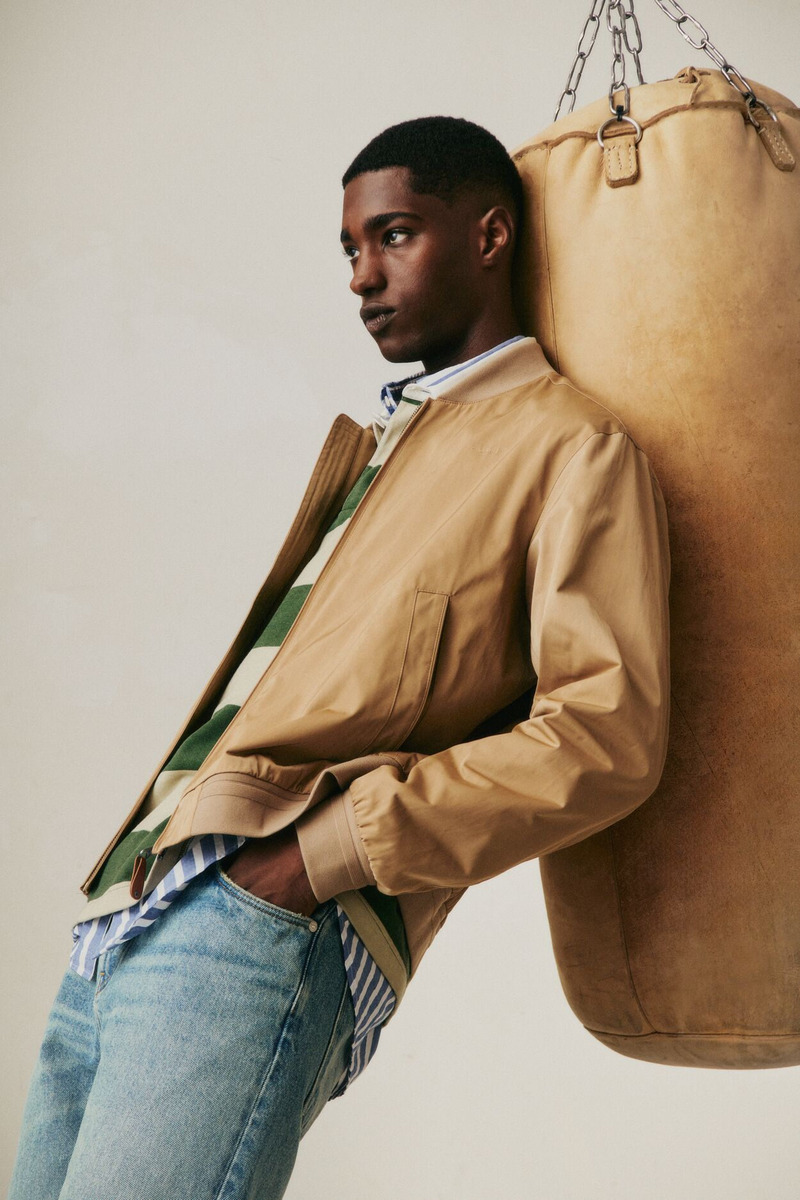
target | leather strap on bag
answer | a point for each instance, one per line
(621, 160)
(776, 144)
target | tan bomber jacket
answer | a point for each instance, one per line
(480, 674)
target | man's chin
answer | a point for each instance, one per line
(396, 351)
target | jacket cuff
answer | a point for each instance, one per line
(332, 850)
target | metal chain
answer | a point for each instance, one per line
(687, 24)
(585, 46)
(629, 22)
(615, 23)
(627, 36)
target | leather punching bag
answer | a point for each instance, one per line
(663, 278)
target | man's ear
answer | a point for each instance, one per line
(497, 235)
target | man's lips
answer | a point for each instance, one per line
(376, 316)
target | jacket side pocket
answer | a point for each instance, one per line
(415, 675)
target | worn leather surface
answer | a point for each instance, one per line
(675, 300)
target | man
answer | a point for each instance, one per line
(458, 662)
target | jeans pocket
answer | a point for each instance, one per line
(265, 906)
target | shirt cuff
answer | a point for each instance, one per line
(332, 850)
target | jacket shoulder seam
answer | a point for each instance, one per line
(562, 381)
(607, 433)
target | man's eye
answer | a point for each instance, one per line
(394, 237)
(350, 252)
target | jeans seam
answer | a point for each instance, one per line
(220, 1195)
(107, 976)
(324, 1059)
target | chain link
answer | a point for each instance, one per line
(615, 23)
(585, 46)
(682, 18)
(629, 22)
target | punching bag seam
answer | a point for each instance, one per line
(588, 135)
(546, 265)
(674, 1034)
(623, 939)
(673, 700)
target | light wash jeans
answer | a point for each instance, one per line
(192, 1065)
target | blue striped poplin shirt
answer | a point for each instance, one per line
(373, 998)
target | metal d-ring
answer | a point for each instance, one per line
(615, 121)
(756, 103)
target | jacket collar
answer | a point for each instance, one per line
(510, 367)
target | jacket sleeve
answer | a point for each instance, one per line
(593, 746)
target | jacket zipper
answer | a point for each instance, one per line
(314, 587)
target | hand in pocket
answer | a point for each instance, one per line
(272, 868)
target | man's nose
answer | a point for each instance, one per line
(368, 275)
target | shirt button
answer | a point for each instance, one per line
(313, 926)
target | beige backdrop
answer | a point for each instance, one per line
(176, 336)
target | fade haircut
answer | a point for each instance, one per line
(446, 157)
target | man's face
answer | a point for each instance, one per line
(416, 267)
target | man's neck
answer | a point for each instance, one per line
(432, 378)
(484, 336)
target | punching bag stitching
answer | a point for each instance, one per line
(647, 123)
(725, 1035)
(623, 939)
(546, 266)
(588, 135)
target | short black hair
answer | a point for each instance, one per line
(447, 157)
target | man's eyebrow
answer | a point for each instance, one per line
(379, 221)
